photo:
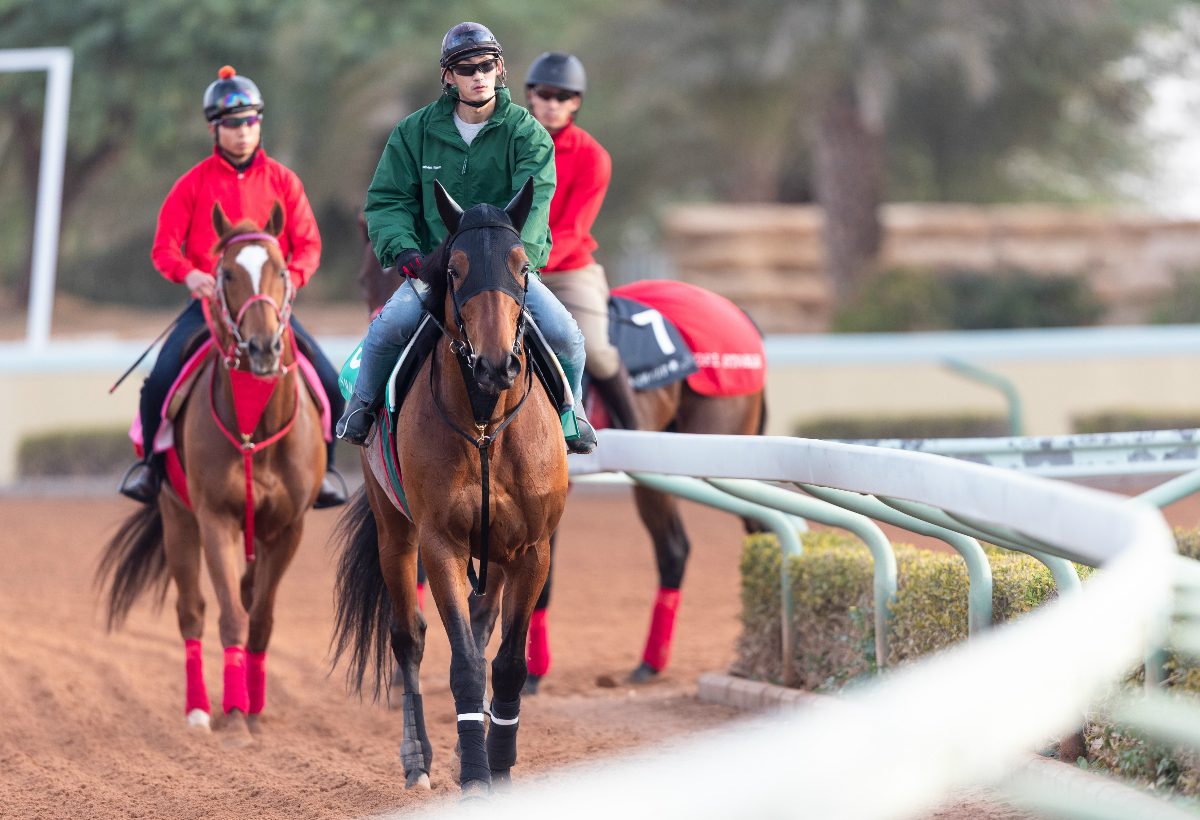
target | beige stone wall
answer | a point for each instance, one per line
(770, 260)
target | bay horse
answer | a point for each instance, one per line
(675, 407)
(244, 493)
(495, 493)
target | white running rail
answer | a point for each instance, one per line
(967, 717)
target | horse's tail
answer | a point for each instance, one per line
(364, 608)
(134, 561)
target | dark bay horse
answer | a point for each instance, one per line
(676, 408)
(247, 491)
(454, 451)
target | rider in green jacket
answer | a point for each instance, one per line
(482, 149)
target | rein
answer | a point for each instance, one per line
(481, 443)
(481, 406)
(251, 394)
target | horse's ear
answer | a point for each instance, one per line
(220, 221)
(522, 203)
(274, 224)
(448, 209)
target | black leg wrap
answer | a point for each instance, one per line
(416, 752)
(474, 761)
(502, 736)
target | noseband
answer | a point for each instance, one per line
(239, 346)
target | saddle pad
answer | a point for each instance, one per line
(381, 449)
(727, 347)
(653, 350)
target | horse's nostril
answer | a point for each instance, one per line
(513, 365)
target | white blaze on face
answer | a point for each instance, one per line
(252, 258)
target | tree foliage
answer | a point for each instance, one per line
(973, 100)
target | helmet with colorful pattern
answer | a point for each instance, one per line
(229, 94)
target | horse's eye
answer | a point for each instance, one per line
(525, 268)
(452, 273)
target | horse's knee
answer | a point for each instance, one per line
(508, 677)
(234, 628)
(190, 611)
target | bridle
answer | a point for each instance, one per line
(482, 405)
(239, 347)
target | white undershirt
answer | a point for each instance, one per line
(468, 130)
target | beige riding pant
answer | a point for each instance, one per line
(584, 292)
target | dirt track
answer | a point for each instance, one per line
(93, 723)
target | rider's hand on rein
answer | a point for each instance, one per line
(202, 285)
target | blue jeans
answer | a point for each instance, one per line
(395, 325)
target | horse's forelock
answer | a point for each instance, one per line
(245, 226)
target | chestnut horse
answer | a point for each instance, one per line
(247, 492)
(495, 493)
(676, 408)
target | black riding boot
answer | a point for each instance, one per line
(355, 424)
(585, 442)
(141, 481)
(333, 490)
(617, 393)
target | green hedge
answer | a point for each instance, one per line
(1120, 421)
(944, 425)
(1159, 765)
(93, 452)
(905, 299)
(833, 608)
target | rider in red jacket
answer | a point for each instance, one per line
(554, 90)
(247, 183)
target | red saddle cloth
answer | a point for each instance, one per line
(725, 343)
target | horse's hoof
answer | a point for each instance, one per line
(643, 674)
(474, 791)
(417, 780)
(531, 685)
(236, 734)
(198, 720)
(501, 781)
(254, 724)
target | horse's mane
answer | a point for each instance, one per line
(433, 274)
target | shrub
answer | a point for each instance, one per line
(1181, 303)
(833, 607)
(74, 453)
(944, 425)
(907, 299)
(1120, 421)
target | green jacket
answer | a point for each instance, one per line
(425, 145)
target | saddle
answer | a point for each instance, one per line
(381, 451)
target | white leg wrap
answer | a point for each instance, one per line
(504, 721)
(471, 716)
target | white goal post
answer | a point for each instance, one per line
(56, 62)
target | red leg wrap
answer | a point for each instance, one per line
(256, 680)
(197, 694)
(662, 624)
(236, 695)
(537, 650)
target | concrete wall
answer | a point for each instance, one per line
(770, 258)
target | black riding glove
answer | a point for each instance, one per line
(410, 262)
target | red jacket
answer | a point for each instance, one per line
(185, 236)
(584, 169)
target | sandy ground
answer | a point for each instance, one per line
(92, 724)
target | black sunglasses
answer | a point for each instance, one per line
(238, 122)
(547, 94)
(469, 69)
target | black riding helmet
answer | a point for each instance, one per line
(229, 94)
(468, 40)
(557, 69)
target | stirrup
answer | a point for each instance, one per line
(584, 440)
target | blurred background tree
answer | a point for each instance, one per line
(847, 103)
